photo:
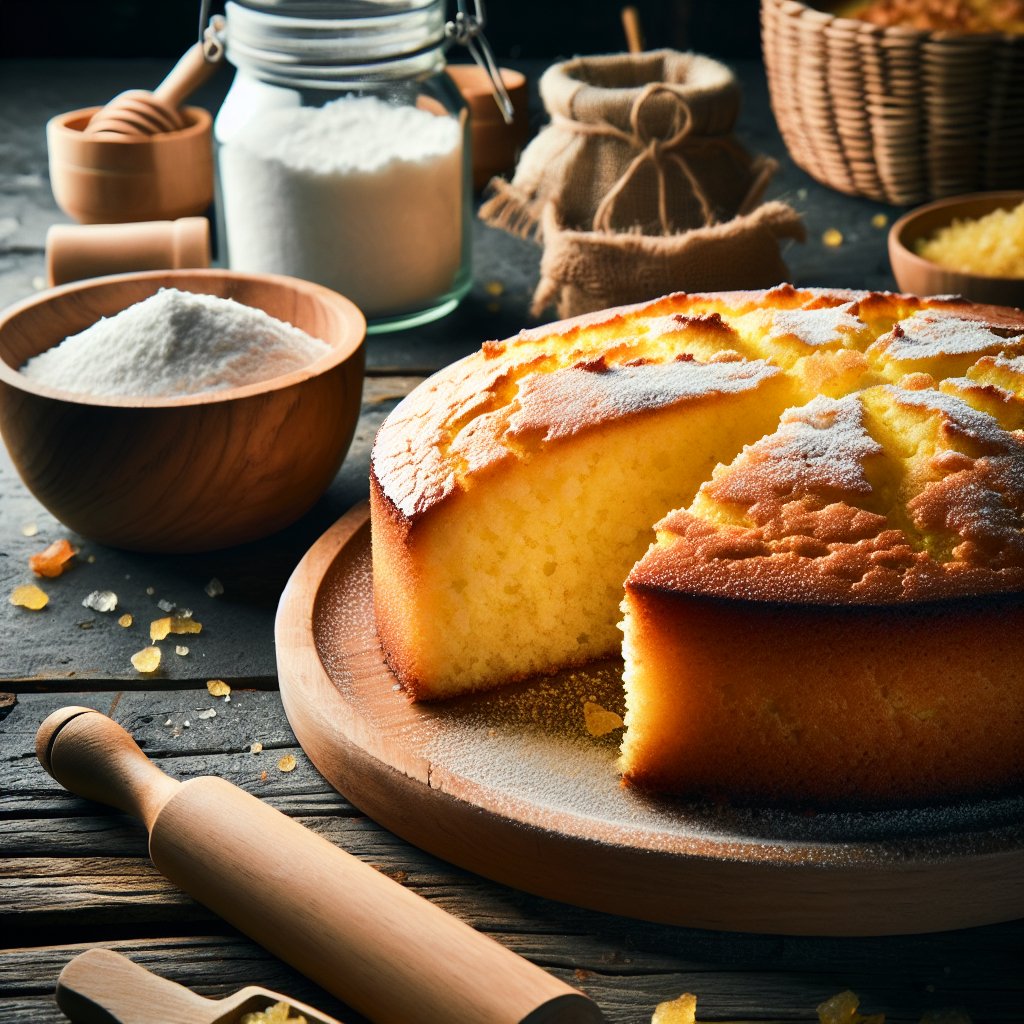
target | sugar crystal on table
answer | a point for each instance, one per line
(100, 601)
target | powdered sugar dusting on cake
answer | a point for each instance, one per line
(1015, 364)
(926, 335)
(567, 401)
(821, 446)
(818, 328)
(963, 418)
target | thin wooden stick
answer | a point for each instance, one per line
(634, 32)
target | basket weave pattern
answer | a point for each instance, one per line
(899, 115)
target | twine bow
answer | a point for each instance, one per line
(660, 153)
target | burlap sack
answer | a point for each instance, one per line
(636, 142)
(582, 271)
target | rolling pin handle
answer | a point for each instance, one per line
(93, 757)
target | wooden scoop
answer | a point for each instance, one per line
(387, 952)
(138, 112)
(102, 987)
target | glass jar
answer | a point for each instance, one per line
(343, 154)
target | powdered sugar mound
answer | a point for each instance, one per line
(175, 343)
(925, 336)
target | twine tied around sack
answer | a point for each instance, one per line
(638, 186)
(658, 152)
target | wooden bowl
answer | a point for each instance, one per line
(102, 180)
(190, 473)
(919, 276)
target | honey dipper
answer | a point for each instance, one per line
(102, 987)
(138, 112)
(387, 952)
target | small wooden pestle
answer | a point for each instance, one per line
(102, 987)
(138, 112)
(387, 952)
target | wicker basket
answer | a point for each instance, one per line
(895, 114)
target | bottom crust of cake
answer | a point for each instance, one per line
(784, 703)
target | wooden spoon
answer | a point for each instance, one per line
(102, 987)
(385, 951)
(138, 112)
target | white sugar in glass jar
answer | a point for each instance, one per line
(342, 153)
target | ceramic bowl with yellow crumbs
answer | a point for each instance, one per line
(182, 410)
(965, 245)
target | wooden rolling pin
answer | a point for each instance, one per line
(138, 112)
(385, 951)
(102, 987)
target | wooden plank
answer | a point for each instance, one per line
(216, 965)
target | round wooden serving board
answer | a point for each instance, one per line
(510, 784)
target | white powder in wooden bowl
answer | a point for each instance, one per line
(360, 195)
(175, 343)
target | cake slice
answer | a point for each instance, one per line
(838, 614)
(513, 492)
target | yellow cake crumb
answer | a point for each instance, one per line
(29, 596)
(160, 628)
(126, 620)
(600, 721)
(147, 660)
(217, 688)
(833, 238)
(287, 763)
(842, 1009)
(677, 1011)
(992, 245)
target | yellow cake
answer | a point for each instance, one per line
(515, 491)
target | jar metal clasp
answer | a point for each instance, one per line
(467, 29)
(211, 34)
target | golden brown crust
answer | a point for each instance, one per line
(461, 420)
(864, 706)
(817, 531)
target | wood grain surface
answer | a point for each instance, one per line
(75, 875)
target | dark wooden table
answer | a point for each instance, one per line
(75, 874)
